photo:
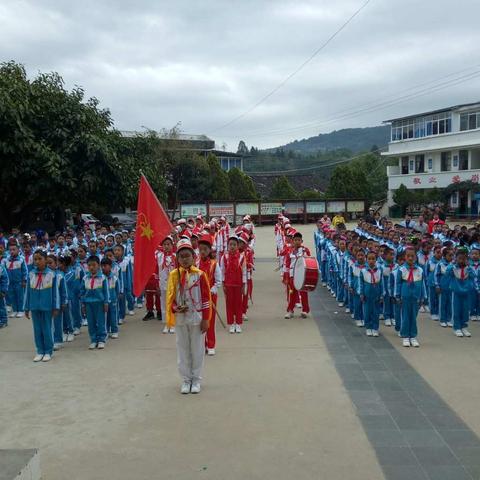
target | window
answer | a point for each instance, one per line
(454, 199)
(420, 163)
(446, 162)
(430, 164)
(463, 160)
(455, 161)
(422, 126)
(412, 165)
(469, 121)
(404, 165)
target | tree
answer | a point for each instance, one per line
(403, 197)
(310, 194)
(241, 186)
(219, 182)
(242, 148)
(282, 189)
(345, 183)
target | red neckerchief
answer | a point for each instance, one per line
(372, 274)
(462, 273)
(92, 282)
(12, 261)
(410, 274)
(39, 280)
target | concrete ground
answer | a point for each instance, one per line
(273, 403)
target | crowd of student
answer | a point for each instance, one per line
(85, 278)
(381, 271)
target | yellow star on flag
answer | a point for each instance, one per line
(146, 229)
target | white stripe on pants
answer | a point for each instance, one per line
(190, 352)
(163, 304)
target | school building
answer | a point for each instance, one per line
(439, 149)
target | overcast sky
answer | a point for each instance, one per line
(203, 62)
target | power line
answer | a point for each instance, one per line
(297, 70)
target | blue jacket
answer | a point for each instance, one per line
(126, 274)
(71, 284)
(387, 270)
(62, 287)
(441, 279)
(42, 291)
(370, 283)
(113, 287)
(354, 276)
(3, 280)
(94, 289)
(462, 280)
(430, 269)
(410, 283)
(16, 269)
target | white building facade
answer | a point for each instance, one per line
(437, 149)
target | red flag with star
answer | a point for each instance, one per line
(153, 226)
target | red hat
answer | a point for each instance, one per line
(205, 238)
(181, 221)
(243, 237)
(184, 243)
(168, 237)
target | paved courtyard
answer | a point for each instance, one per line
(286, 399)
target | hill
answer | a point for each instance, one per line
(353, 139)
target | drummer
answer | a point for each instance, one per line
(298, 251)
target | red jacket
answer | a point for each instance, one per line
(234, 269)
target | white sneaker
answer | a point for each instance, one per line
(139, 305)
(171, 330)
(114, 335)
(92, 346)
(324, 284)
(352, 315)
(165, 329)
(37, 358)
(46, 358)
(245, 318)
(84, 322)
(238, 329)
(347, 310)
(64, 337)
(374, 333)
(393, 322)
(380, 317)
(406, 342)
(458, 333)
(304, 314)
(359, 323)
(19, 315)
(298, 305)
(449, 324)
(120, 321)
(422, 309)
(195, 387)
(210, 351)
(388, 322)
(70, 337)
(131, 312)
(57, 346)
(443, 324)
(414, 342)
(101, 345)
(76, 331)
(435, 317)
(369, 332)
(341, 304)
(185, 388)
(232, 328)
(12, 314)
(466, 333)
(289, 315)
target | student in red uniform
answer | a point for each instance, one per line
(247, 253)
(284, 255)
(298, 251)
(210, 267)
(166, 263)
(152, 297)
(234, 276)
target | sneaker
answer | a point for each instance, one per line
(84, 322)
(148, 316)
(76, 331)
(369, 332)
(304, 314)
(232, 329)
(393, 322)
(101, 345)
(458, 333)
(46, 358)
(37, 358)
(341, 304)
(140, 305)
(352, 315)
(57, 346)
(289, 315)
(210, 351)
(171, 330)
(449, 324)
(64, 337)
(19, 315)
(238, 329)
(131, 312)
(298, 305)
(374, 333)
(70, 337)
(114, 335)
(443, 324)
(159, 316)
(165, 329)
(324, 284)
(380, 317)
(435, 317)
(414, 342)
(195, 387)
(347, 310)
(12, 314)
(466, 333)
(406, 342)
(359, 323)
(388, 322)
(185, 388)
(422, 309)
(245, 318)
(92, 346)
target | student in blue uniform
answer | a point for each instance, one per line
(462, 283)
(370, 291)
(126, 281)
(74, 284)
(94, 299)
(387, 267)
(410, 291)
(42, 302)
(62, 291)
(397, 306)
(339, 271)
(3, 295)
(113, 293)
(430, 269)
(474, 297)
(17, 277)
(353, 283)
(442, 286)
(64, 265)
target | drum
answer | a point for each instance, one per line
(305, 274)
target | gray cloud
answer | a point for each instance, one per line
(155, 63)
